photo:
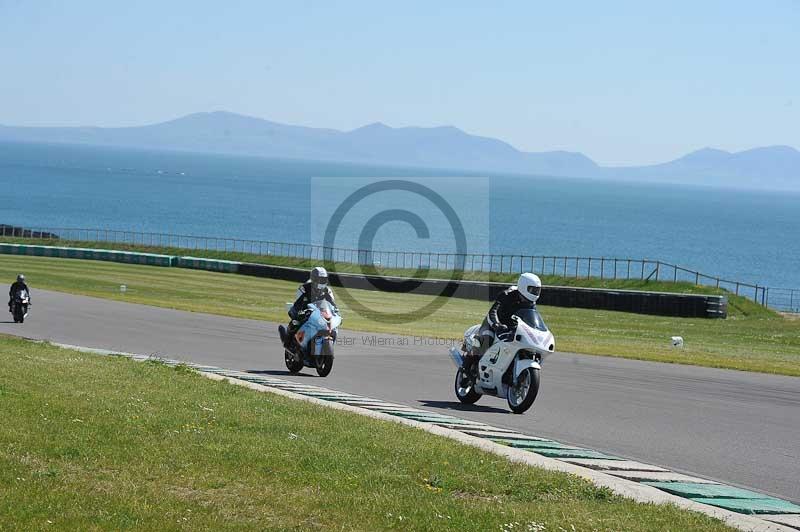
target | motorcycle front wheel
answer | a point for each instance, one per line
(294, 363)
(465, 388)
(523, 393)
(324, 363)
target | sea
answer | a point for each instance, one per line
(745, 235)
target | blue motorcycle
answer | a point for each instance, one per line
(312, 345)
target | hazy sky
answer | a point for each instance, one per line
(623, 82)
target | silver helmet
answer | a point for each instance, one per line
(319, 278)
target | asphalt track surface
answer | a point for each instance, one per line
(735, 427)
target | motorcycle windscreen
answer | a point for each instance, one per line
(328, 312)
(532, 318)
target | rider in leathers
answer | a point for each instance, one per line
(499, 319)
(315, 289)
(19, 284)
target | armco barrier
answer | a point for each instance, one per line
(128, 257)
(640, 302)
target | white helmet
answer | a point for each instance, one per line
(530, 286)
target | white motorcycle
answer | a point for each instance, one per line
(510, 367)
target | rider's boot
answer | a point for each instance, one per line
(470, 363)
(288, 333)
(471, 359)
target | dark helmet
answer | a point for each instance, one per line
(20, 278)
(319, 278)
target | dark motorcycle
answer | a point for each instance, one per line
(19, 305)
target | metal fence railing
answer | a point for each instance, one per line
(783, 299)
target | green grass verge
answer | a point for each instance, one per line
(737, 304)
(96, 443)
(765, 343)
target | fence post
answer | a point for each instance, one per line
(737, 287)
(658, 268)
(675, 274)
(696, 278)
(755, 296)
(628, 275)
(615, 268)
(602, 267)
(589, 269)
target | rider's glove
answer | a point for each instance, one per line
(500, 328)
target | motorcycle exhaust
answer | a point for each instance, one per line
(456, 357)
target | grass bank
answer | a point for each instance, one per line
(94, 443)
(764, 342)
(737, 304)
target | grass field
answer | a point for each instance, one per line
(754, 341)
(96, 443)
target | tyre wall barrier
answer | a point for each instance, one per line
(128, 257)
(212, 265)
(640, 302)
(21, 232)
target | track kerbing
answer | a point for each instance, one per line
(743, 509)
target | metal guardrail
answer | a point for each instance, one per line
(782, 299)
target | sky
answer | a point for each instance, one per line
(623, 82)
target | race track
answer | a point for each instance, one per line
(736, 427)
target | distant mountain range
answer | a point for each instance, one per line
(445, 147)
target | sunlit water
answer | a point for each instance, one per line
(742, 235)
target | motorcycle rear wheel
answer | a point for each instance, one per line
(465, 390)
(523, 393)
